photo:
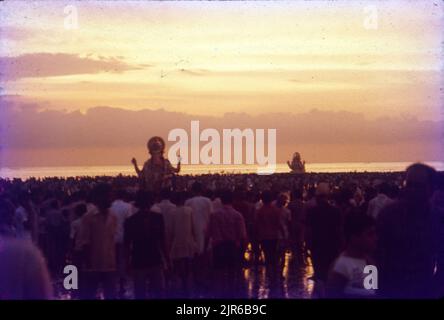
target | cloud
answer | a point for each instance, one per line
(15, 33)
(35, 65)
(199, 72)
(321, 136)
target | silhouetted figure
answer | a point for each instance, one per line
(323, 233)
(157, 172)
(98, 233)
(285, 219)
(122, 209)
(247, 210)
(407, 238)
(228, 234)
(145, 241)
(202, 209)
(438, 210)
(183, 244)
(268, 229)
(411, 266)
(57, 228)
(297, 226)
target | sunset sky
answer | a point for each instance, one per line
(250, 61)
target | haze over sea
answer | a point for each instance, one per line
(41, 172)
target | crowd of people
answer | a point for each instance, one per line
(194, 238)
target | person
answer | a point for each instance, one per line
(437, 203)
(228, 236)
(215, 200)
(344, 200)
(57, 228)
(297, 226)
(346, 276)
(145, 245)
(202, 210)
(98, 234)
(369, 194)
(310, 197)
(246, 208)
(23, 271)
(285, 220)
(157, 172)
(76, 224)
(7, 221)
(183, 245)
(76, 248)
(167, 209)
(407, 236)
(380, 201)
(24, 216)
(323, 234)
(122, 209)
(268, 227)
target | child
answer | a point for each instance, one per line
(346, 276)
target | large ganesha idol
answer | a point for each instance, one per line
(297, 165)
(157, 172)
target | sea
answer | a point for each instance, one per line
(71, 171)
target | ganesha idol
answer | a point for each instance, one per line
(297, 165)
(157, 172)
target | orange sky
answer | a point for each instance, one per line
(208, 59)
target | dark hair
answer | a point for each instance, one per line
(197, 187)
(296, 193)
(121, 193)
(239, 194)
(179, 198)
(369, 193)
(226, 196)
(311, 192)
(344, 195)
(393, 191)
(165, 193)
(267, 196)
(416, 167)
(144, 199)
(80, 210)
(439, 180)
(384, 188)
(356, 223)
(100, 195)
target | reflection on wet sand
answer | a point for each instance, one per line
(294, 282)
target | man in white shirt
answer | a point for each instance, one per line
(380, 201)
(202, 209)
(346, 277)
(167, 209)
(122, 209)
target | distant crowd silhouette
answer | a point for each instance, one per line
(203, 236)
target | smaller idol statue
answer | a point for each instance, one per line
(157, 172)
(297, 165)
